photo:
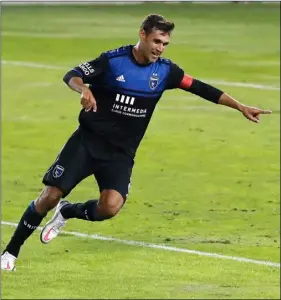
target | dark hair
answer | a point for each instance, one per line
(154, 21)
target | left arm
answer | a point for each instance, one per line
(217, 96)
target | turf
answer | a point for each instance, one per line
(205, 178)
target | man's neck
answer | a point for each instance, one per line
(138, 55)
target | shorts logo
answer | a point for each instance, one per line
(58, 171)
(153, 81)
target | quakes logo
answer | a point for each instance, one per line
(153, 81)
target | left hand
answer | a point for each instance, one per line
(253, 113)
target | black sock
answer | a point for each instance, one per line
(30, 220)
(83, 211)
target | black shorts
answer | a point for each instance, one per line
(74, 163)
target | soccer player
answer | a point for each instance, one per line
(125, 85)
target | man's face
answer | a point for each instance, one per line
(153, 44)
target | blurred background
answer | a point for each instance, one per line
(205, 178)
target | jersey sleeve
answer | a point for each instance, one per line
(178, 79)
(175, 77)
(89, 70)
(200, 89)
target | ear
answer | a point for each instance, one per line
(142, 34)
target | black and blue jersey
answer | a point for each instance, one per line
(126, 93)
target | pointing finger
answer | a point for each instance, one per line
(265, 111)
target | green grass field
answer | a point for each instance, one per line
(205, 178)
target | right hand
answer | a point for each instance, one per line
(87, 100)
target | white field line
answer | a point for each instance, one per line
(242, 84)
(123, 31)
(32, 65)
(159, 246)
(207, 108)
(211, 81)
(126, 21)
(259, 63)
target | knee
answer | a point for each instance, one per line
(111, 210)
(48, 199)
(110, 203)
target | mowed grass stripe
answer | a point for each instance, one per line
(158, 246)
(211, 81)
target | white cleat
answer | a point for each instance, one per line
(52, 228)
(8, 261)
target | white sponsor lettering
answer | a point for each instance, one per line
(127, 110)
(132, 100)
(129, 100)
(122, 98)
(87, 68)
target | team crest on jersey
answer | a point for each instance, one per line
(153, 81)
(58, 171)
